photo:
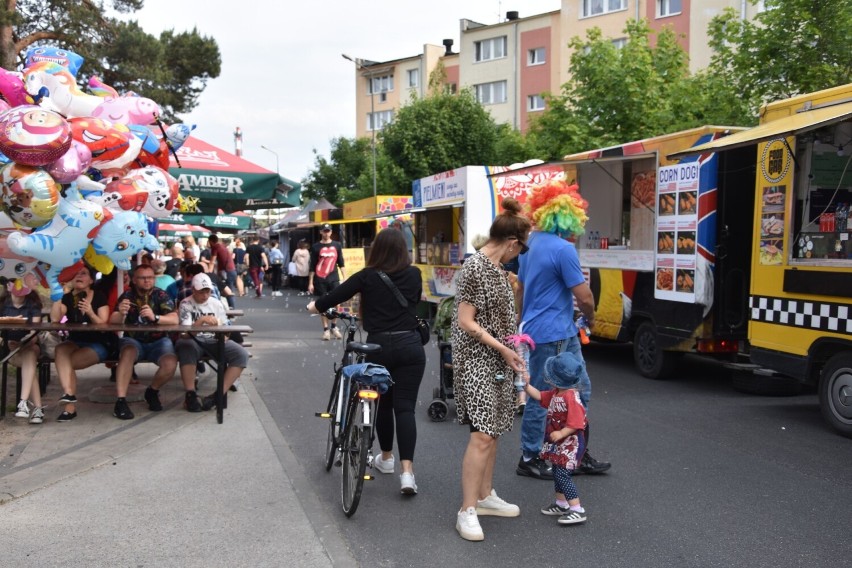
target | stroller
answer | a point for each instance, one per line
(438, 408)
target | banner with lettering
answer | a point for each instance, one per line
(224, 181)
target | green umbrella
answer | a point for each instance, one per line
(221, 180)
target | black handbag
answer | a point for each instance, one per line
(422, 324)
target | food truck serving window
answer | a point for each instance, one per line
(821, 222)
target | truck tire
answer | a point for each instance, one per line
(835, 393)
(650, 359)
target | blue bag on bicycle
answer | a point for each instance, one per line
(369, 374)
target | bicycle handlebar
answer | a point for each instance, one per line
(331, 313)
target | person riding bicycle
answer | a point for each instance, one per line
(394, 327)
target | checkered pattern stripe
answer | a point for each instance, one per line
(821, 316)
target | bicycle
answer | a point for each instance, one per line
(351, 413)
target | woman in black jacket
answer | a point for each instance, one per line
(394, 327)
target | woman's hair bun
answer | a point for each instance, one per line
(511, 205)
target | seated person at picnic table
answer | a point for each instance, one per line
(23, 302)
(82, 348)
(147, 306)
(200, 310)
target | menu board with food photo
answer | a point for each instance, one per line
(666, 204)
(665, 279)
(686, 242)
(771, 252)
(687, 203)
(677, 232)
(772, 225)
(773, 199)
(685, 281)
(665, 242)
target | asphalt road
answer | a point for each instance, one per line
(702, 475)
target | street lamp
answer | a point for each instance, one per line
(360, 63)
(278, 172)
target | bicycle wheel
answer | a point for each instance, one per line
(331, 441)
(356, 443)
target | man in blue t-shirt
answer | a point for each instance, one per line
(549, 279)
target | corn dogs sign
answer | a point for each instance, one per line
(677, 225)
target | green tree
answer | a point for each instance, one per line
(790, 48)
(345, 176)
(172, 70)
(638, 91)
(438, 133)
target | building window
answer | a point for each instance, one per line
(668, 8)
(454, 88)
(380, 84)
(535, 56)
(378, 120)
(535, 102)
(488, 49)
(491, 93)
(620, 42)
(413, 78)
(598, 7)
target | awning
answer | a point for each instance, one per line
(221, 180)
(218, 222)
(172, 230)
(789, 126)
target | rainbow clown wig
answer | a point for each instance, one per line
(556, 207)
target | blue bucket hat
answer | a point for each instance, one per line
(563, 371)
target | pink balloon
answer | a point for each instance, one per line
(74, 162)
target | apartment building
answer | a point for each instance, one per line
(510, 64)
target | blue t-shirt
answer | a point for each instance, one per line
(548, 272)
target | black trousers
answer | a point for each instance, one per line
(405, 359)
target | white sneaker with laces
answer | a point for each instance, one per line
(496, 507)
(326, 335)
(468, 526)
(336, 333)
(384, 466)
(23, 410)
(37, 416)
(406, 484)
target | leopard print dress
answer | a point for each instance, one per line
(481, 401)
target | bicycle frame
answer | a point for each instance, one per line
(351, 411)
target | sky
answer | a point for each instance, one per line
(283, 80)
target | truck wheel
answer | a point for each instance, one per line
(835, 393)
(651, 360)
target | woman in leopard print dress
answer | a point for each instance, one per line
(484, 315)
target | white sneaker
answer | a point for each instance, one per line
(494, 506)
(407, 485)
(326, 335)
(23, 410)
(384, 466)
(37, 416)
(468, 525)
(336, 333)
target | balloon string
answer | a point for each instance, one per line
(168, 142)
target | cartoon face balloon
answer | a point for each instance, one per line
(15, 266)
(29, 195)
(63, 241)
(128, 110)
(120, 238)
(105, 140)
(68, 59)
(33, 136)
(149, 190)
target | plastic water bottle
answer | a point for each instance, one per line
(583, 327)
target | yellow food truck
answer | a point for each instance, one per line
(800, 277)
(662, 251)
